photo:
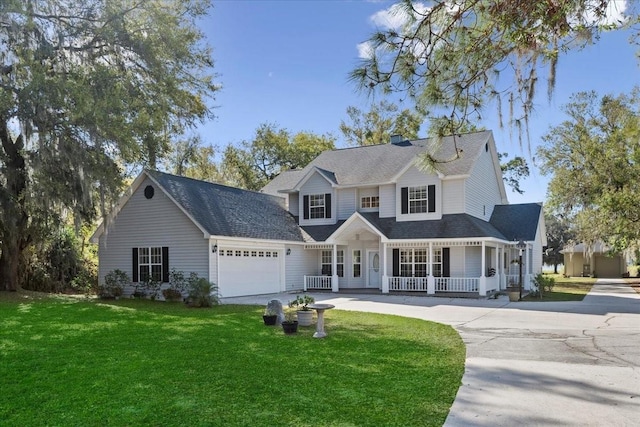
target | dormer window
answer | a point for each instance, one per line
(317, 206)
(417, 200)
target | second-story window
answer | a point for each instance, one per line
(370, 202)
(418, 199)
(316, 206)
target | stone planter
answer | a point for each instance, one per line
(305, 317)
(514, 295)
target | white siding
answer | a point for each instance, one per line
(294, 207)
(482, 190)
(366, 192)
(457, 261)
(153, 222)
(316, 184)
(298, 263)
(473, 262)
(411, 178)
(346, 202)
(387, 201)
(453, 196)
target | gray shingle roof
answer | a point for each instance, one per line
(228, 211)
(517, 221)
(454, 226)
(376, 164)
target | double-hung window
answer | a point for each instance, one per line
(437, 262)
(418, 199)
(150, 264)
(326, 266)
(316, 206)
(413, 262)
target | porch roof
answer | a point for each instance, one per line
(454, 226)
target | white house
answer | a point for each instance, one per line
(365, 217)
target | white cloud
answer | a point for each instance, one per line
(365, 50)
(395, 17)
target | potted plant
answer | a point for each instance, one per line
(305, 314)
(114, 283)
(270, 316)
(290, 324)
(177, 284)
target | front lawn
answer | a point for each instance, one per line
(67, 362)
(566, 289)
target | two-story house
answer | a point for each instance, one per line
(366, 217)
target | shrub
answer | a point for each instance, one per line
(202, 293)
(114, 283)
(543, 284)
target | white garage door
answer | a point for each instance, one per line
(248, 272)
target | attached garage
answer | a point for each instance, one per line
(249, 271)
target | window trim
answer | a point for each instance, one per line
(372, 202)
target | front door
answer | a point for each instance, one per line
(373, 269)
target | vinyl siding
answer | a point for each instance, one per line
(299, 263)
(153, 222)
(458, 262)
(482, 190)
(453, 196)
(412, 178)
(316, 184)
(473, 263)
(346, 202)
(294, 206)
(387, 201)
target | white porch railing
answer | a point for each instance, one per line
(317, 282)
(418, 284)
(457, 284)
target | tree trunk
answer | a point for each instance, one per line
(555, 268)
(14, 234)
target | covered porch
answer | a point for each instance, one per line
(469, 267)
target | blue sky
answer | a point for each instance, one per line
(287, 62)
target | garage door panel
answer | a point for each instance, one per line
(249, 272)
(608, 266)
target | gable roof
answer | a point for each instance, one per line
(380, 164)
(517, 222)
(227, 211)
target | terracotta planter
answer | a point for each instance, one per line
(305, 317)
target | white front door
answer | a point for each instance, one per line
(373, 269)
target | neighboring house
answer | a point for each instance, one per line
(593, 260)
(365, 217)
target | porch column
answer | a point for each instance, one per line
(431, 281)
(499, 272)
(482, 285)
(385, 277)
(335, 286)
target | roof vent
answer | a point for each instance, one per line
(396, 139)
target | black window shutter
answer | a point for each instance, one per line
(396, 263)
(431, 198)
(404, 200)
(135, 265)
(165, 264)
(305, 207)
(446, 269)
(327, 205)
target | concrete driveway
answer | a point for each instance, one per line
(532, 363)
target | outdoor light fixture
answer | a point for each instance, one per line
(288, 251)
(214, 249)
(521, 246)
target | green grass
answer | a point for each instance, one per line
(66, 362)
(567, 289)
